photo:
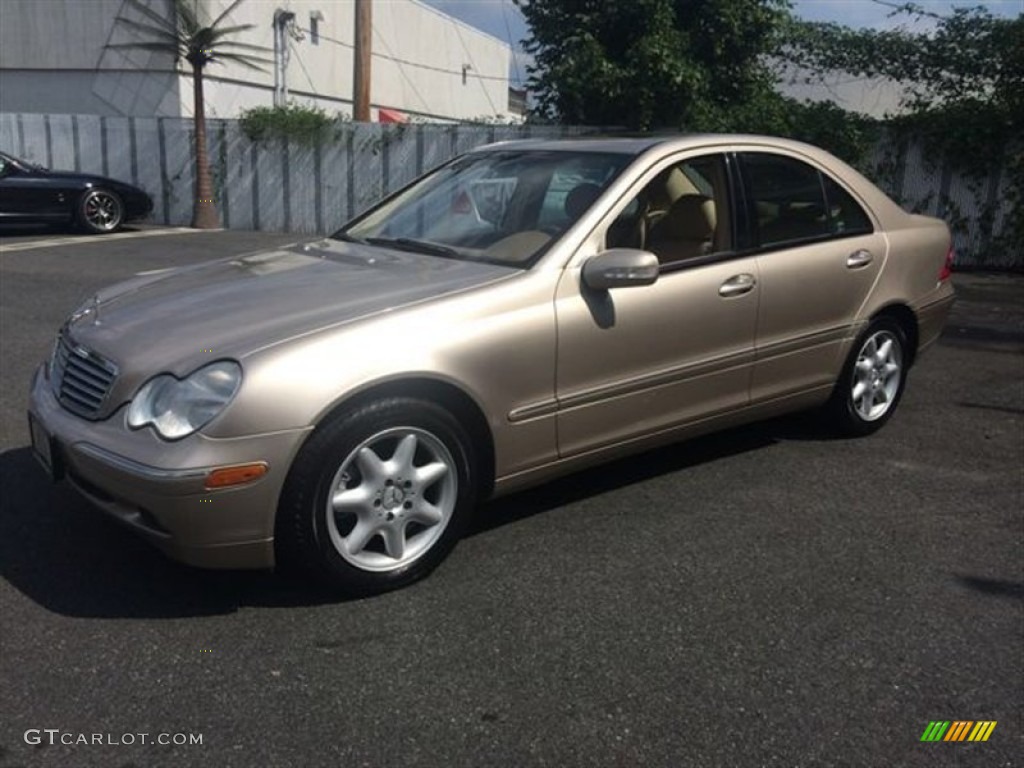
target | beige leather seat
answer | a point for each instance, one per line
(522, 245)
(686, 231)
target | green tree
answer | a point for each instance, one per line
(963, 75)
(189, 34)
(969, 60)
(647, 64)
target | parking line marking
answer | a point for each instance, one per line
(33, 244)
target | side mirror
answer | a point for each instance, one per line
(620, 268)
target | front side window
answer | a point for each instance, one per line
(503, 207)
(680, 215)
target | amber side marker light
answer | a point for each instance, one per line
(237, 475)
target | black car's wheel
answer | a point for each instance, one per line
(873, 379)
(377, 497)
(100, 211)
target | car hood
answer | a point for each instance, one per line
(176, 320)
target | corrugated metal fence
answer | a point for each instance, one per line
(276, 185)
(285, 186)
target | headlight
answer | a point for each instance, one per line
(178, 407)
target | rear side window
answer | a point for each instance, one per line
(793, 202)
(788, 199)
(846, 217)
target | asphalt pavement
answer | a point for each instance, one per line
(763, 597)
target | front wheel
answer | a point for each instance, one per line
(100, 211)
(873, 379)
(377, 497)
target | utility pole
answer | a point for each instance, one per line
(361, 68)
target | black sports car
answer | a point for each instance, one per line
(32, 194)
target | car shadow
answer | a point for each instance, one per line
(993, 587)
(27, 230)
(645, 466)
(69, 558)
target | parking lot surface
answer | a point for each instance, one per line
(767, 596)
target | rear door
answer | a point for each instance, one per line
(819, 255)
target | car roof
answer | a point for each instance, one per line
(625, 146)
(636, 145)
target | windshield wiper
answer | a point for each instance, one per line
(416, 246)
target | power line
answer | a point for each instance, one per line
(508, 32)
(469, 56)
(302, 65)
(404, 74)
(408, 62)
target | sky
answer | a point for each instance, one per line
(502, 19)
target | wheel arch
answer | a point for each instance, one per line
(907, 320)
(444, 393)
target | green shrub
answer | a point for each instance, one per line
(305, 125)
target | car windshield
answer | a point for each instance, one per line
(17, 162)
(502, 206)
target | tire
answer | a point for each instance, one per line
(377, 497)
(100, 211)
(873, 379)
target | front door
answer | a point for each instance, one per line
(638, 360)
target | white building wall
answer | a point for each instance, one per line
(871, 96)
(418, 33)
(53, 59)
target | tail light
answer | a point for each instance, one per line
(947, 268)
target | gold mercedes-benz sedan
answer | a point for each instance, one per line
(530, 308)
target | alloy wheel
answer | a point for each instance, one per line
(876, 375)
(101, 211)
(391, 499)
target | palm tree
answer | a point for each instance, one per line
(185, 35)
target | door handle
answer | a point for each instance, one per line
(859, 259)
(737, 285)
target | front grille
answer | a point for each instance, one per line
(81, 379)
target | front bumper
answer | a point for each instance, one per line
(160, 491)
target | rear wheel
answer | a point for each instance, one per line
(377, 497)
(873, 379)
(100, 211)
